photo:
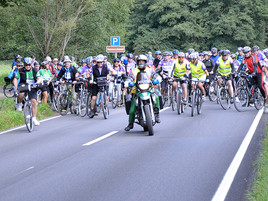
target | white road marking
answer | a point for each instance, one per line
(164, 109)
(100, 138)
(13, 129)
(26, 170)
(229, 176)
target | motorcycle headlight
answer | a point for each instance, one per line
(144, 86)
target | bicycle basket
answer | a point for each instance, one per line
(23, 88)
(101, 81)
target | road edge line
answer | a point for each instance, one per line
(229, 176)
(100, 138)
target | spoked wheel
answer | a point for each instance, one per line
(88, 106)
(199, 102)
(241, 99)
(179, 101)
(224, 98)
(212, 91)
(148, 117)
(8, 90)
(173, 100)
(82, 108)
(28, 116)
(104, 105)
(193, 104)
(170, 98)
(63, 104)
(259, 101)
(55, 100)
(114, 98)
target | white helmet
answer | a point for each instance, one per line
(100, 58)
(142, 58)
(48, 58)
(67, 59)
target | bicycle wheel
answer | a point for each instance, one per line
(88, 106)
(114, 97)
(224, 98)
(28, 116)
(104, 105)
(241, 99)
(259, 101)
(173, 101)
(193, 103)
(179, 102)
(55, 100)
(8, 90)
(63, 104)
(212, 91)
(82, 108)
(199, 101)
(170, 99)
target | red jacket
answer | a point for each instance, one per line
(252, 63)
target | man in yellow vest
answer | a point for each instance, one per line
(141, 66)
(179, 71)
(198, 71)
(225, 67)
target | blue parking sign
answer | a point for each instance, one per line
(115, 41)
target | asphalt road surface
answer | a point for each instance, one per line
(186, 159)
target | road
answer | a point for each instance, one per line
(186, 159)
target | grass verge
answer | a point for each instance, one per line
(259, 191)
(10, 118)
(5, 68)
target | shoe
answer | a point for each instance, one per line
(237, 100)
(266, 109)
(91, 114)
(19, 107)
(130, 126)
(203, 98)
(184, 101)
(36, 123)
(157, 119)
(231, 100)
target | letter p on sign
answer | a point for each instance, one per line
(115, 41)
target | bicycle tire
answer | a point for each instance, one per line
(199, 101)
(8, 90)
(193, 103)
(114, 97)
(55, 100)
(224, 98)
(178, 102)
(212, 92)
(28, 116)
(104, 107)
(63, 104)
(259, 101)
(82, 108)
(241, 99)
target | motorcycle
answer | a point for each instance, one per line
(145, 100)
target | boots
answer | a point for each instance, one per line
(130, 126)
(157, 118)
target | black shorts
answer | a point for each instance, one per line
(32, 94)
(181, 81)
(164, 83)
(95, 89)
(228, 77)
(44, 88)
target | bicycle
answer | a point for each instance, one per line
(179, 96)
(65, 99)
(115, 92)
(196, 97)
(245, 95)
(8, 88)
(223, 94)
(169, 95)
(101, 102)
(83, 97)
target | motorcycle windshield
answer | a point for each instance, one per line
(143, 78)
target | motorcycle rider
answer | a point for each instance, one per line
(142, 67)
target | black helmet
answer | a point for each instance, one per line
(214, 50)
(33, 57)
(224, 53)
(116, 60)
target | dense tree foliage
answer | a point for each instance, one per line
(200, 24)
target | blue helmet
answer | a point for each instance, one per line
(175, 51)
(130, 55)
(157, 52)
(28, 60)
(36, 63)
(83, 61)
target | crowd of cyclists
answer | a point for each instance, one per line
(176, 66)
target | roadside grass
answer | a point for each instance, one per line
(259, 191)
(5, 68)
(10, 118)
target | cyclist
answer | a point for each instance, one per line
(85, 70)
(59, 67)
(260, 55)
(254, 67)
(150, 59)
(44, 76)
(98, 70)
(215, 56)
(190, 51)
(236, 62)
(175, 55)
(33, 60)
(118, 70)
(17, 60)
(131, 64)
(27, 75)
(166, 66)
(106, 62)
(209, 63)
(198, 71)
(142, 66)
(225, 67)
(68, 73)
(240, 54)
(179, 71)
(55, 63)
(158, 58)
(51, 67)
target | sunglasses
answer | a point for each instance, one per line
(99, 62)
(28, 65)
(180, 57)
